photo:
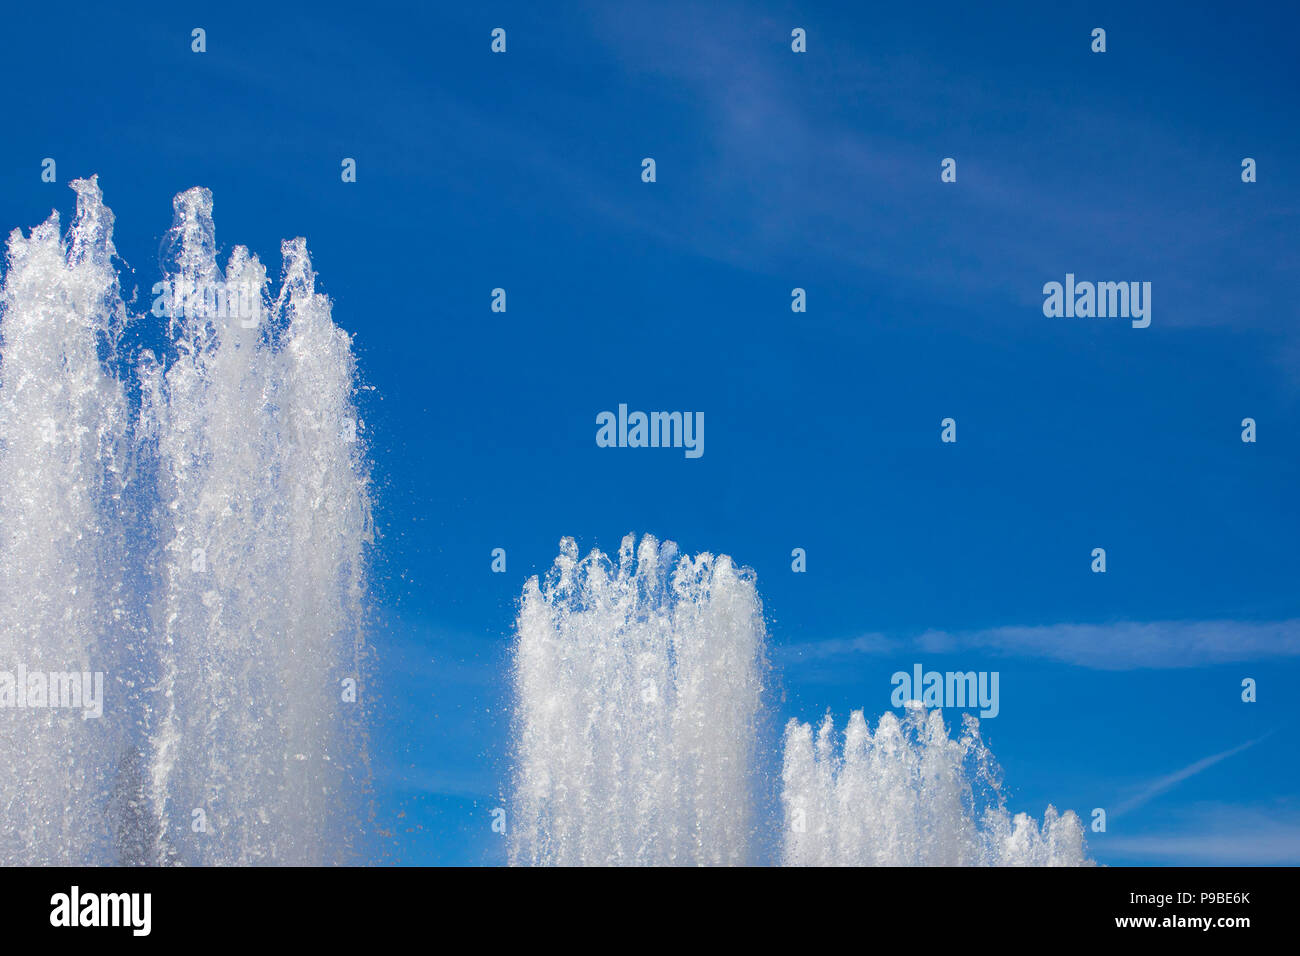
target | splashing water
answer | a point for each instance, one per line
(63, 470)
(909, 795)
(638, 709)
(638, 693)
(206, 553)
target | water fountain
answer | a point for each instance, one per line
(194, 525)
(639, 691)
(639, 711)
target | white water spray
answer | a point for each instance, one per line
(208, 555)
(638, 717)
(638, 693)
(64, 463)
(909, 795)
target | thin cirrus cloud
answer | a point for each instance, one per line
(1162, 784)
(777, 157)
(1124, 645)
(1217, 834)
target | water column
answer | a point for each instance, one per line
(195, 526)
(638, 695)
(909, 795)
(64, 465)
(265, 511)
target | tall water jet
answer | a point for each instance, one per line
(909, 795)
(638, 693)
(208, 553)
(63, 470)
(265, 514)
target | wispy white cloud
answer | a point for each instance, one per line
(1214, 835)
(1123, 645)
(1169, 781)
(788, 175)
(820, 650)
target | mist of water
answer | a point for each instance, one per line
(193, 524)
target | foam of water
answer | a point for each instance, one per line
(206, 551)
(638, 689)
(909, 795)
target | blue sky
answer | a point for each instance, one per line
(778, 170)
